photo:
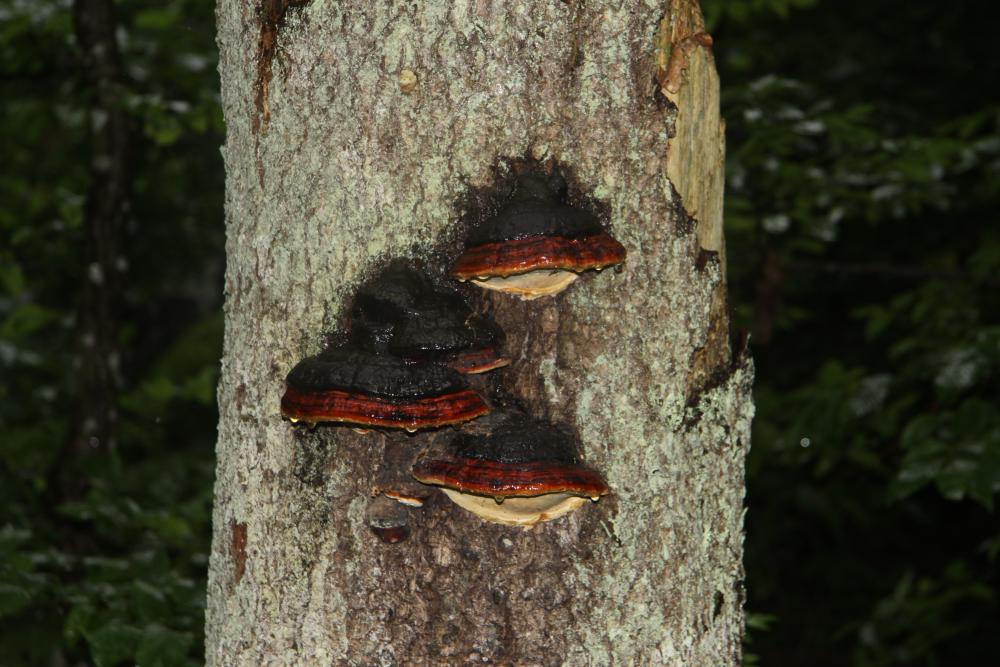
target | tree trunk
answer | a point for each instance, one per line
(96, 412)
(355, 131)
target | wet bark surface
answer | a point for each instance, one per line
(381, 121)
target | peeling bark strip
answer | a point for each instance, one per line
(676, 61)
(272, 18)
(360, 171)
(272, 15)
(104, 216)
(688, 82)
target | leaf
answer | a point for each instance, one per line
(13, 598)
(161, 647)
(113, 644)
(956, 450)
(156, 19)
(11, 276)
(25, 320)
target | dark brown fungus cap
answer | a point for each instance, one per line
(356, 387)
(524, 472)
(470, 346)
(407, 313)
(537, 243)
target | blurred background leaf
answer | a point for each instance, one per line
(103, 559)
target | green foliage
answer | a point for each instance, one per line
(745, 10)
(754, 623)
(941, 607)
(861, 228)
(103, 558)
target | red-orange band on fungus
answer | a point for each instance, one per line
(356, 408)
(508, 258)
(509, 480)
(477, 361)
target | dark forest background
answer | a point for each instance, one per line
(864, 258)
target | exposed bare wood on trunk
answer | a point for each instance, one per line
(104, 215)
(688, 82)
(382, 117)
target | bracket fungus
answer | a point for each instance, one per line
(537, 243)
(407, 313)
(388, 520)
(356, 387)
(393, 479)
(524, 472)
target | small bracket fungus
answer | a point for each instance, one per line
(359, 388)
(409, 314)
(524, 472)
(388, 520)
(404, 497)
(393, 479)
(536, 244)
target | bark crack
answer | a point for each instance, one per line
(272, 18)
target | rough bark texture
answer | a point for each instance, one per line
(379, 119)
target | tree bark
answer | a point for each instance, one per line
(355, 132)
(96, 410)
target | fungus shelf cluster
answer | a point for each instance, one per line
(410, 315)
(414, 339)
